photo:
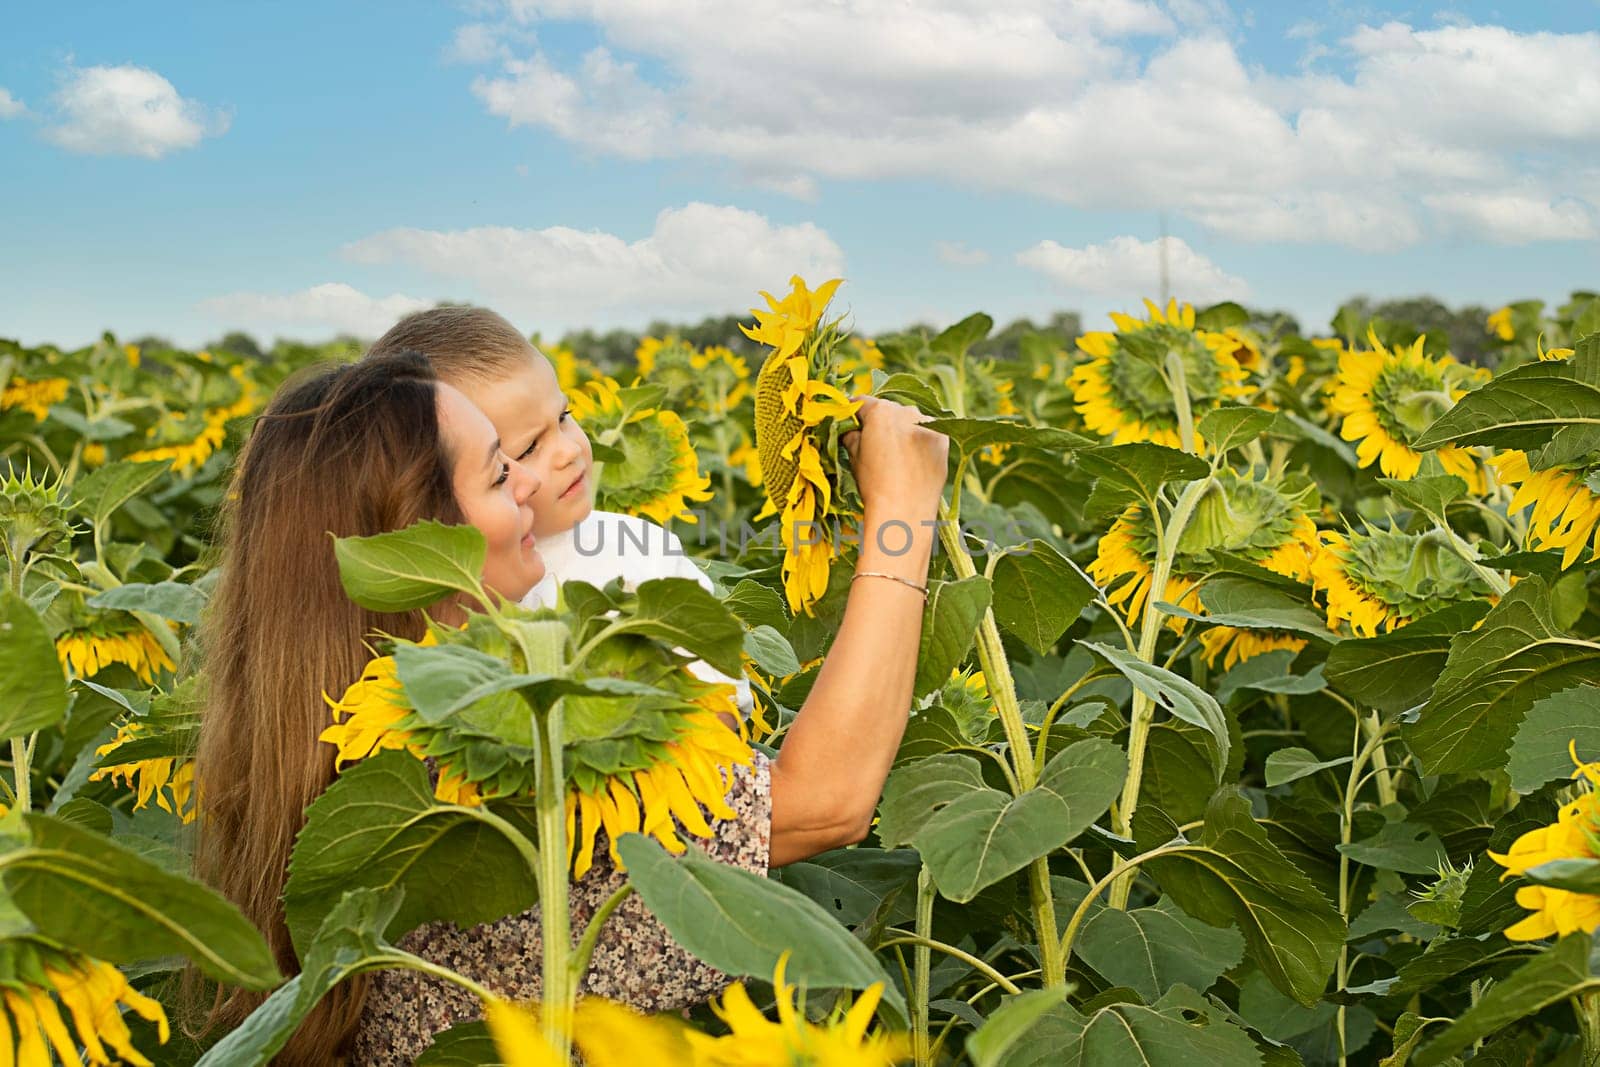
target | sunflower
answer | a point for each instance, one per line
(673, 780)
(1123, 392)
(94, 994)
(187, 455)
(659, 474)
(149, 777)
(793, 1040)
(859, 359)
(89, 649)
(1574, 835)
(1381, 580)
(35, 514)
(608, 1034)
(1499, 324)
(793, 401)
(723, 378)
(1387, 398)
(1265, 522)
(189, 443)
(689, 772)
(34, 397)
(1566, 513)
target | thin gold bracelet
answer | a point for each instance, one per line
(893, 577)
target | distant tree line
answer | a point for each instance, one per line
(1463, 326)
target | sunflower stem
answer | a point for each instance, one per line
(543, 647)
(1587, 1009)
(968, 958)
(1178, 382)
(1118, 871)
(1002, 687)
(1143, 712)
(921, 965)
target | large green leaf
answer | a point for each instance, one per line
(1564, 970)
(1398, 846)
(411, 568)
(1172, 692)
(467, 1044)
(771, 651)
(949, 624)
(955, 339)
(972, 435)
(1229, 426)
(170, 600)
(1011, 1022)
(379, 827)
(1523, 407)
(742, 923)
(1234, 874)
(1291, 764)
(1540, 752)
(850, 883)
(1038, 594)
(1179, 1030)
(86, 890)
(1431, 495)
(1150, 950)
(1141, 468)
(971, 838)
(349, 941)
(1491, 679)
(1396, 671)
(1251, 605)
(680, 612)
(33, 691)
(101, 492)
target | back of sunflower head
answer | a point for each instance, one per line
(796, 397)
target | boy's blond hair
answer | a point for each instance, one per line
(463, 343)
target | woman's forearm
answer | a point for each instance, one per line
(835, 757)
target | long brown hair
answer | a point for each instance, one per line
(355, 450)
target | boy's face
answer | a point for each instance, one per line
(529, 411)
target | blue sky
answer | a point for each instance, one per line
(306, 169)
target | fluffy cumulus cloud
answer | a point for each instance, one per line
(129, 111)
(1129, 267)
(697, 259)
(1115, 104)
(10, 106)
(332, 307)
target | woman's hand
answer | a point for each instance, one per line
(898, 465)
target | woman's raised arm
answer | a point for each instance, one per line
(830, 771)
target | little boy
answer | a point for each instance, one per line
(513, 383)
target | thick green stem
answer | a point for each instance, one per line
(1587, 1008)
(1002, 687)
(543, 647)
(921, 966)
(1143, 712)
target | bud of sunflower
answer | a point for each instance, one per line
(1440, 903)
(799, 413)
(658, 475)
(33, 514)
(1382, 579)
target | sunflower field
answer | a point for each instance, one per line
(1256, 712)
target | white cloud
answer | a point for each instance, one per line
(958, 254)
(129, 111)
(1055, 100)
(10, 106)
(1129, 267)
(477, 43)
(1514, 218)
(332, 306)
(699, 258)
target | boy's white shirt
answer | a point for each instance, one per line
(607, 545)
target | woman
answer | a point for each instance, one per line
(376, 446)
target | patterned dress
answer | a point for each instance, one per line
(635, 960)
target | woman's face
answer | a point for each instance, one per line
(495, 494)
